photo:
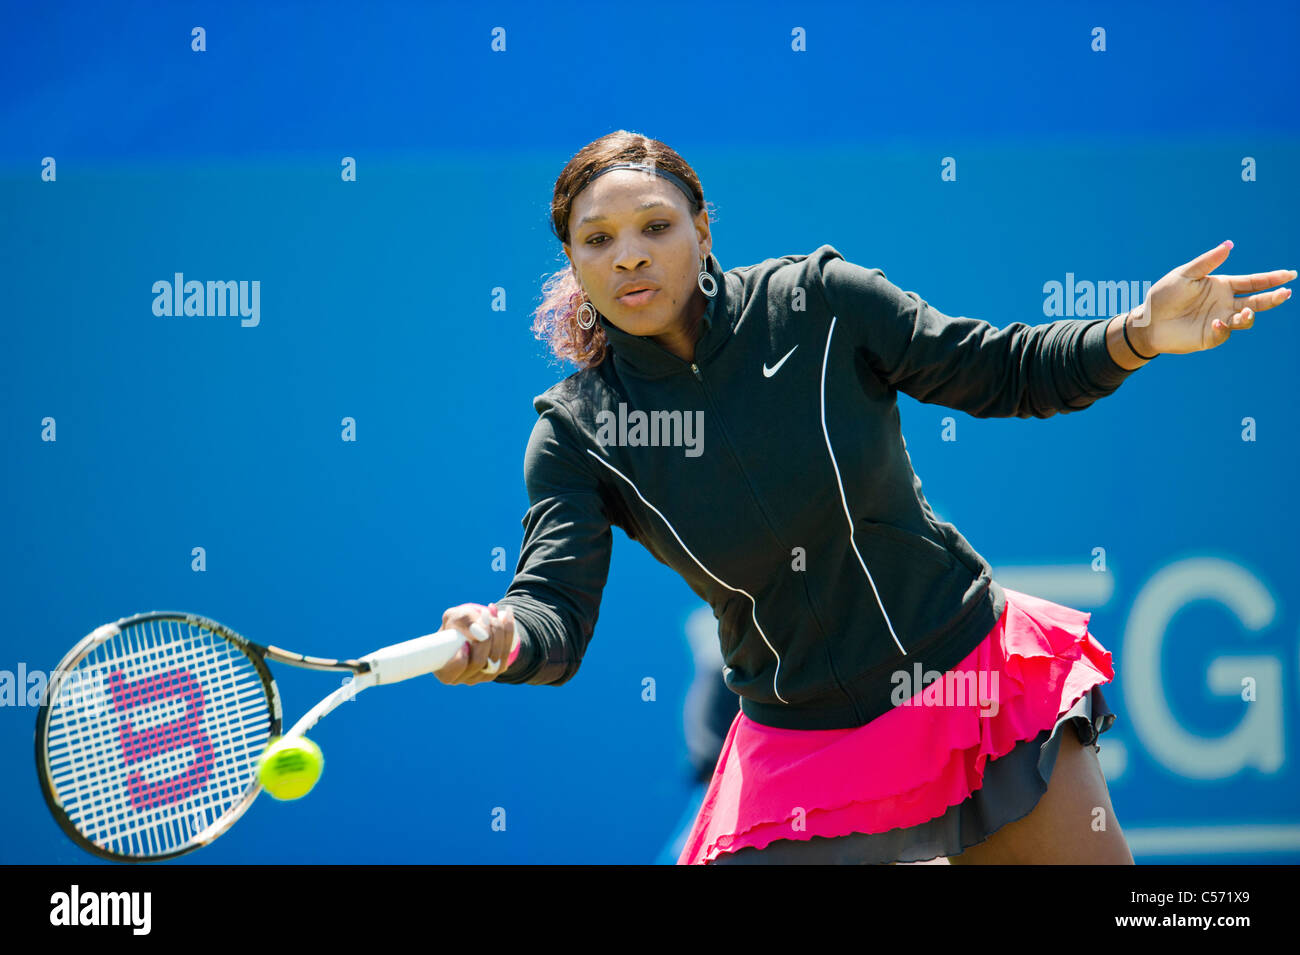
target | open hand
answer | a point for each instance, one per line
(1190, 310)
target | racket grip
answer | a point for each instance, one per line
(423, 655)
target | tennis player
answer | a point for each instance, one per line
(896, 703)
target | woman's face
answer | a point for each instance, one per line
(617, 243)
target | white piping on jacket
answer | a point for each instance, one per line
(847, 515)
(753, 602)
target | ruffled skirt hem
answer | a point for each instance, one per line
(921, 760)
(1012, 786)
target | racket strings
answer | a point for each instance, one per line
(154, 736)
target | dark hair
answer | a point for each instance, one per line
(555, 321)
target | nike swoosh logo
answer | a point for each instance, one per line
(769, 372)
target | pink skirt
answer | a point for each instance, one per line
(914, 762)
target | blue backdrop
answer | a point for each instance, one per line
(1103, 143)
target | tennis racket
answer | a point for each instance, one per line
(150, 730)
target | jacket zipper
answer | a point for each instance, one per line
(695, 370)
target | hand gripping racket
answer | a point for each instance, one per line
(150, 731)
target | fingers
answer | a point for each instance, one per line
(454, 669)
(482, 637)
(512, 633)
(505, 622)
(489, 635)
(465, 620)
(1244, 317)
(1261, 302)
(1206, 262)
(498, 646)
(1246, 306)
(1259, 280)
(1238, 321)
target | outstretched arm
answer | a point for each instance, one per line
(1036, 370)
(965, 363)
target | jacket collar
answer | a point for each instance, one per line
(645, 358)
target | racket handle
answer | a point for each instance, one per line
(420, 656)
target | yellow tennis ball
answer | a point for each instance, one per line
(290, 767)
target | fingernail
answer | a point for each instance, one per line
(493, 609)
(1227, 242)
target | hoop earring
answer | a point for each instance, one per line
(704, 278)
(586, 308)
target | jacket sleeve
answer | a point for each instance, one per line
(564, 559)
(964, 363)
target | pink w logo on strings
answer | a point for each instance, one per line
(185, 731)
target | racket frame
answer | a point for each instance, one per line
(391, 664)
(257, 653)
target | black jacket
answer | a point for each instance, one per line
(772, 475)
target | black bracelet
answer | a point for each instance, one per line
(1124, 322)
